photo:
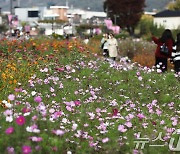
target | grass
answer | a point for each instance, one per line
(88, 106)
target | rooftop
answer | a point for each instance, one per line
(59, 7)
(168, 13)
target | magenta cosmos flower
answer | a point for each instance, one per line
(115, 112)
(77, 102)
(20, 120)
(9, 130)
(37, 99)
(26, 149)
(60, 69)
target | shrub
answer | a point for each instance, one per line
(3, 28)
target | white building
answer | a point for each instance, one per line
(0, 20)
(30, 15)
(168, 19)
(85, 16)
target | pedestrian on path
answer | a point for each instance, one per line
(112, 46)
(104, 45)
(164, 43)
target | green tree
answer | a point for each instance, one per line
(125, 13)
(174, 5)
(145, 24)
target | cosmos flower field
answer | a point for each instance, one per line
(59, 97)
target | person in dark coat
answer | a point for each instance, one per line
(176, 54)
(160, 58)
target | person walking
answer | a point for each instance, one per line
(112, 46)
(165, 42)
(176, 54)
(104, 45)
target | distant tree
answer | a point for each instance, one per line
(145, 23)
(125, 13)
(174, 5)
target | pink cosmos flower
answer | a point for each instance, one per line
(10, 150)
(68, 67)
(34, 118)
(8, 112)
(170, 130)
(128, 124)
(57, 114)
(76, 92)
(37, 148)
(138, 73)
(140, 116)
(52, 89)
(132, 105)
(92, 144)
(154, 102)
(9, 130)
(105, 140)
(69, 108)
(122, 129)
(162, 122)
(175, 122)
(135, 152)
(11, 97)
(18, 89)
(74, 126)
(26, 149)
(38, 99)
(86, 125)
(158, 112)
(54, 148)
(58, 132)
(20, 120)
(35, 139)
(159, 71)
(140, 78)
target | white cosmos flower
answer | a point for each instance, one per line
(33, 93)
(9, 118)
(69, 152)
(64, 120)
(74, 126)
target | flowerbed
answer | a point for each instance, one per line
(61, 100)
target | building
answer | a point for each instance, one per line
(78, 16)
(61, 11)
(29, 15)
(167, 18)
(0, 17)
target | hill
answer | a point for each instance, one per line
(96, 5)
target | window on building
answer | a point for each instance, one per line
(33, 14)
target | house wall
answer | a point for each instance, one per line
(22, 14)
(0, 20)
(62, 12)
(168, 22)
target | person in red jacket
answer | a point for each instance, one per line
(160, 58)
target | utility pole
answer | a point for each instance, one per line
(67, 3)
(18, 3)
(52, 25)
(115, 18)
